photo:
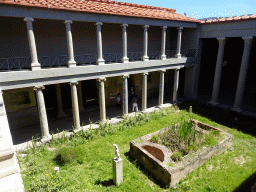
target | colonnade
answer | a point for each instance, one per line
(35, 65)
(77, 101)
(242, 74)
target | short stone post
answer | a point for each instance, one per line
(117, 168)
(190, 109)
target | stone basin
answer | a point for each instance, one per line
(157, 160)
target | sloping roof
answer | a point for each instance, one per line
(230, 19)
(104, 7)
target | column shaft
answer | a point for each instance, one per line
(80, 96)
(144, 91)
(179, 42)
(125, 59)
(42, 112)
(218, 71)
(100, 60)
(163, 56)
(102, 99)
(243, 73)
(161, 89)
(175, 86)
(75, 107)
(145, 46)
(71, 60)
(59, 101)
(125, 94)
(35, 65)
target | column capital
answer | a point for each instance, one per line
(73, 83)
(164, 27)
(68, 21)
(28, 19)
(180, 28)
(102, 79)
(247, 40)
(99, 23)
(176, 69)
(145, 73)
(39, 87)
(146, 26)
(222, 40)
(124, 25)
(163, 70)
(126, 76)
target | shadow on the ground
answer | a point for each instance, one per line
(106, 183)
(224, 117)
(144, 171)
(247, 184)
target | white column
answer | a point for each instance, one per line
(243, 73)
(145, 44)
(161, 88)
(102, 99)
(163, 56)
(75, 108)
(179, 42)
(42, 111)
(125, 59)
(59, 101)
(100, 60)
(175, 86)
(35, 65)
(218, 71)
(144, 91)
(125, 94)
(71, 60)
(80, 96)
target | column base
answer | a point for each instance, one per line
(178, 56)
(160, 106)
(76, 130)
(163, 57)
(125, 60)
(71, 64)
(237, 109)
(145, 58)
(100, 61)
(213, 103)
(35, 66)
(45, 139)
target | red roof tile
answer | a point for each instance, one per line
(105, 7)
(230, 19)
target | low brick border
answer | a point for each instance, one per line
(169, 176)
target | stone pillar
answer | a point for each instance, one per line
(218, 70)
(243, 73)
(75, 108)
(161, 89)
(125, 59)
(179, 42)
(175, 86)
(163, 56)
(144, 91)
(102, 99)
(71, 60)
(35, 65)
(59, 101)
(100, 60)
(80, 97)
(145, 45)
(125, 94)
(42, 111)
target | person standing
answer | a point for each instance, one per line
(118, 101)
(134, 103)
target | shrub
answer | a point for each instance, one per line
(176, 156)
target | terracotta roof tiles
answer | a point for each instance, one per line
(230, 19)
(104, 7)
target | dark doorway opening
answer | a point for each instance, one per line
(90, 93)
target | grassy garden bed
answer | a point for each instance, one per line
(90, 166)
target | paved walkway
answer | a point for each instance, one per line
(25, 134)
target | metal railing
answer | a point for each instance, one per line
(86, 59)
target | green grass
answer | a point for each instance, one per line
(225, 172)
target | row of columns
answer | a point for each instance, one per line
(77, 103)
(242, 73)
(35, 65)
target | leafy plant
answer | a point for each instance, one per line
(176, 156)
